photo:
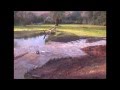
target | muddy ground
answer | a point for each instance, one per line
(92, 66)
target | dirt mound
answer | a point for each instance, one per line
(92, 66)
(88, 67)
(63, 37)
(90, 40)
(98, 51)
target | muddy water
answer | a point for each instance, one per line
(47, 52)
(32, 41)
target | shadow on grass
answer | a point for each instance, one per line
(62, 36)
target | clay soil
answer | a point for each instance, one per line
(91, 66)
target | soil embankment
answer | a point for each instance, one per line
(92, 66)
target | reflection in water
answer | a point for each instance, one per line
(39, 40)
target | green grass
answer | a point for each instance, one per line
(62, 37)
(75, 29)
(27, 34)
(84, 30)
(32, 27)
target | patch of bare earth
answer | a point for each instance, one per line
(96, 51)
(90, 40)
(92, 66)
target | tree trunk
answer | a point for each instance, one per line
(56, 22)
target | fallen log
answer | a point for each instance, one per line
(50, 31)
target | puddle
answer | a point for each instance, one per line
(32, 41)
(47, 52)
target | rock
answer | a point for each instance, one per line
(37, 52)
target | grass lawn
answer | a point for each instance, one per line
(64, 31)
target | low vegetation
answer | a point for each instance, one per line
(63, 31)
